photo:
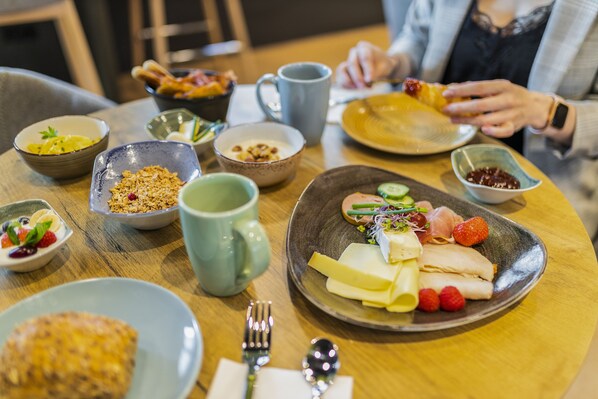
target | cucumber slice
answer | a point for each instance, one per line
(404, 202)
(393, 191)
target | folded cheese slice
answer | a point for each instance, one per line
(401, 296)
(404, 293)
(470, 287)
(454, 258)
(360, 273)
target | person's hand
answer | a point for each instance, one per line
(499, 107)
(366, 64)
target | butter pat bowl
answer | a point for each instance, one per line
(472, 157)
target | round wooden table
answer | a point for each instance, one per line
(533, 349)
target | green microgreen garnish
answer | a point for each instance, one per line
(36, 233)
(51, 132)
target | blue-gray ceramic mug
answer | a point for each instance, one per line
(304, 90)
(226, 244)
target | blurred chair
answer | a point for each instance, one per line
(395, 12)
(72, 37)
(27, 97)
(160, 31)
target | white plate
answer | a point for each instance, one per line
(170, 346)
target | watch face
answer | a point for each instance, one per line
(560, 116)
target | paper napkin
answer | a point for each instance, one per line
(272, 383)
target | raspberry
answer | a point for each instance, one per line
(6, 241)
(471, 232)
(428, 300)
(48, 239)
(451, 299)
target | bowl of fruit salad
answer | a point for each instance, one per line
(183, 125)
(62, 147)
(31, 235)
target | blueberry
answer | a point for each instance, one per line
(5, 226)
(23, 220)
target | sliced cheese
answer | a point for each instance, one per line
(364, 275)
(398, 245)
(404, 294)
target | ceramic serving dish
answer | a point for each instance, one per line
(288, 140)
(167, 122)
(318, 225)
(68, 164)
(169, 345)
(212, 108)
(472, 157)
(109, 166)
(43, 255)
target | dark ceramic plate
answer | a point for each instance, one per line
(317, 225)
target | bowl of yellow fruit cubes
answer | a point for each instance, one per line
(63, 147)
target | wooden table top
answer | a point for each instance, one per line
(533, 349)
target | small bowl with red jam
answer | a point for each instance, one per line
(491, 173)
(31, 234)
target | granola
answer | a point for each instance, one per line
(149, 189)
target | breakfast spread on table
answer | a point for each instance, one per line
(414, 252)
(196, 84)
(68, 355)
(59, 144)
(151, 188)
(29, 234)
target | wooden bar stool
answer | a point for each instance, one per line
(160, 31)
(72, 37)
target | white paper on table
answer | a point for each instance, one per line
(272, 383)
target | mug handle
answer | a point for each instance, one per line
(258, 247)
(258, 92)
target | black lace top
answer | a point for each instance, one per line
(484, 51)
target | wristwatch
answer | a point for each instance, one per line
(558, 113)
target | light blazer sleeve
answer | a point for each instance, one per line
(585, 138)
(413, 39)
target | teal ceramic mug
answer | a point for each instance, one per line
(226, 244)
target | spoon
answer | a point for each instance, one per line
(320, 365)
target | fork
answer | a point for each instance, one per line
(256, 341)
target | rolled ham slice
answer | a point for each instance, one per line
(442, 222)
(454, 258)
(470, 287)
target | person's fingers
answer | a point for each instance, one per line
(365, 53)
(354, 68)
(492, 118)
(501, 131)
(342, 76)
(482, 88)
(481, 105)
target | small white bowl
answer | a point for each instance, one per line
(69, 164)
(289, 140)
(475, 156)
(43, 255)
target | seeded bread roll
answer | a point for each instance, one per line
(68, 355)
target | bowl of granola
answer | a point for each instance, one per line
(137, 184)
(267, 152)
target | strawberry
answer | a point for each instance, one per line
(48, 239)
(428, 300)
(471, 232)
(451, 299)
(6, 241)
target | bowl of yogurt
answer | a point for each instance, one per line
(269, 153)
